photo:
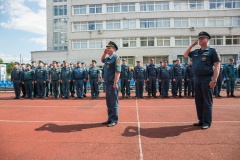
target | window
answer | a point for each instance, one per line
(114, 24)
(60, 10)
(154, 6)
(232, 40)
(235, 21)
(96, 8)
(79, 10)
(181, 41)
(195, 5)
(216, 40)
(59, 38)
(83, 26)
(197, 22)
(188, 5)
(113, 7)
(129, 42)
(128, 24)
(215, 22)
(155, 23)
(147, 41)
(121, 7)
(180, 22)
(59, 1)
(95, 44)
(60, 24)
(224, 4)
(128, 7)
(163, 41)
(181, 5)
(81, 44)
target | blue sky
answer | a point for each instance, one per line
(22, 28)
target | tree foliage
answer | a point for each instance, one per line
(1, 60)
(10, 67)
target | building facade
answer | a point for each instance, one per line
(78, 30)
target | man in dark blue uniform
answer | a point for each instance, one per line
(159, 82)
(72, 85)
(186, 83)
(55, 79)
(190, 79)
(94, 79)
(111, 77)
(47, 81)
(85, 81)
(27, 80)
(65, 78)
(218, 87)
(205, 77)
(40, 78)
(16, 78)
(125, 79)
(50, 82)
(172, 82)
(178, 78)
(79, 75)
(33, 67)
(164, 76)
(139, 76)
(22, 86)
(151, 75)
(231, 77)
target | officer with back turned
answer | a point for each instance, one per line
(139, 76)
(16, 78)
(205, 77)
(111, 77)
(164, 76)
(151, 76)
(94, 79)
(28, 81)
(231, 77)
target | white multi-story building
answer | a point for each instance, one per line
(78, 30)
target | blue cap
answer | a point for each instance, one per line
(231, 59)
(16, 63)
(112, 44)
(78, 62)
(204, 34)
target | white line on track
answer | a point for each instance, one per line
(139, 133)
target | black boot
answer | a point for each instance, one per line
(228, 94)
(232, 95)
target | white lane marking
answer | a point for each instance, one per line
(139, 133)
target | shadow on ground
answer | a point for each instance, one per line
(51, 127)
(161, 132)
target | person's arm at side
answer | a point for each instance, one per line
(216, 70)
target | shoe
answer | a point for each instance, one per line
(232, 95)
(198, 124)
(167, 97)
(84, 95)
(219, 95)
(111, 124)
(127, 96)
(155, 96)
(106, 122)
(180, 96)
(123, 96)
(205, 127)
(149, 96)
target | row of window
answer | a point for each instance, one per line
(59, 1)
(155, 6)
(156, 23)
(154, 41)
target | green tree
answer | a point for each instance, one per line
(10, 67)
(1, 60)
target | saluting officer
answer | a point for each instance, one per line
(94, 79)
(139, 75)
(205, 77)
(111, 76)
(55, 79)
(40, 78)
(190, 79)
(16, 78)
(231, 76)
(159, 82)
(178, 78)
(164, 76)
(65, 78)
(28, 81)
(79, 75)
(33, 67)
(125, 79)
(72, 85)
(151, 75)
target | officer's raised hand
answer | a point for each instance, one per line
(194, 43)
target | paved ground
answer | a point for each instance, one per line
(148, 129)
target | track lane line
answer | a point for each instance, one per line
(139, 133)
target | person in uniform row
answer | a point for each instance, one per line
(16, 78)
(111, 77)
(173, 82)
(125, 79)
(151, 76)
(33, 67)
(50, 90)
(47, 81)
(139, 76)
(186, 83)
(28, 81)
(231, 77)
(190, 79)
(79, 75)
(159, 82)
(85, 82)
(178, 78)
(40, 79)
(164, 76)
(55, 79)
(94, 79)
(22, 86)
(72, 85)
(65, 78)
(205, 77)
